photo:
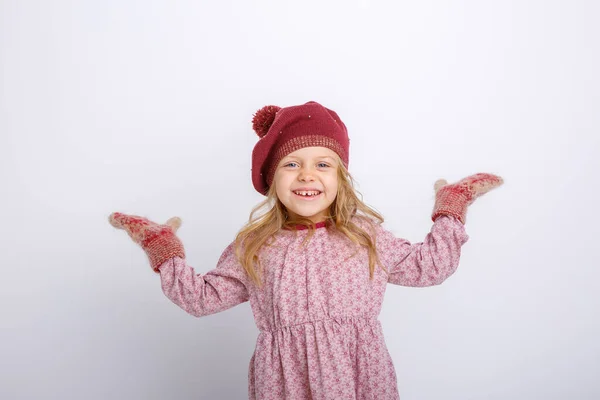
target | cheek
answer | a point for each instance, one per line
(282, 183)
(332, 190)
(332, 183)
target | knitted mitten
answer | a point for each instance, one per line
(455, 198)
(158, 241)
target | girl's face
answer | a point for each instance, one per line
(306, 182)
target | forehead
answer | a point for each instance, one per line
(312, 152)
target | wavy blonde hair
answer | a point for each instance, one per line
(347, 204)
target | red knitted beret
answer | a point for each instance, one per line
(285, 130)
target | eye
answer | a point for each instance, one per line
(290, 163)
(323, 165)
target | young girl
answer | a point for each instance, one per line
(315, 264)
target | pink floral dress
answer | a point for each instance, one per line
(317, 312)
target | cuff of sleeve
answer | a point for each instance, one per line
(453, 226)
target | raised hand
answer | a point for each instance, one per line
(455, 198)
(158, 240)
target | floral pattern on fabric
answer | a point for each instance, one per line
(320, 337)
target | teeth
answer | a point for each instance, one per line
(305, 193)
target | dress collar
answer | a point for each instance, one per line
(301, 227)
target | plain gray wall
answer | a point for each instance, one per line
(144, 107)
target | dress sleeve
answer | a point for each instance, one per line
(203, 294)
(426, 263)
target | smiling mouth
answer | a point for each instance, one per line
(307, 194)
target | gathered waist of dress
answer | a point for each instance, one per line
(337, 321)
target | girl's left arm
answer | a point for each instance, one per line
(426, 263)
(432, 261)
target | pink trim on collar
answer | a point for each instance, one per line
(301, 227)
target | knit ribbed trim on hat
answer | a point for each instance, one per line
(301, 142)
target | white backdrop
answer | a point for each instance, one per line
(144, 107)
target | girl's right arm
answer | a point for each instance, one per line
(205, 294)
(198, 294)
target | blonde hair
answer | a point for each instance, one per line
(347, 205)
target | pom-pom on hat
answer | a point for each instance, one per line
(282, 131)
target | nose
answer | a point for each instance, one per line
(305, 175)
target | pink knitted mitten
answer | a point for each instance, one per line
(455, 198)
(158, 241)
